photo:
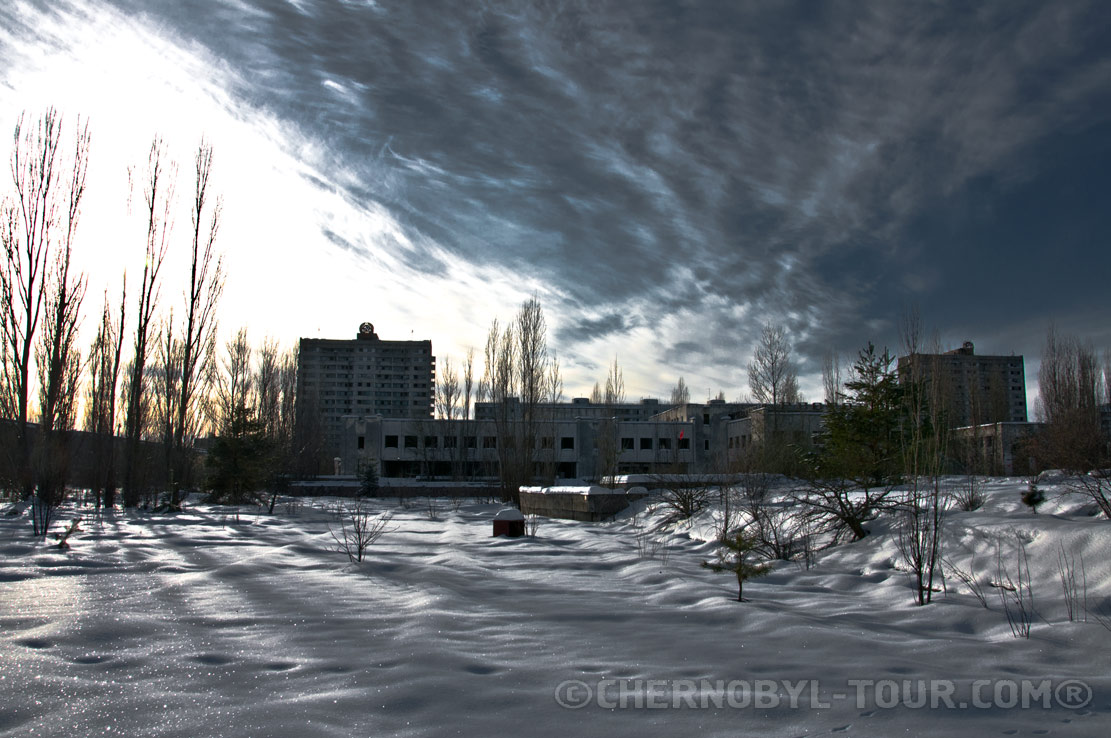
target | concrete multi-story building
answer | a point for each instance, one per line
(563, 448)
(979, 389)
(364, 375)
(580, 408)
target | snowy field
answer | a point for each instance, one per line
(200, 625)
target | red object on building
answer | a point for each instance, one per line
(509, 522)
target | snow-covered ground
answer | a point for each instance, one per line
(200, 625)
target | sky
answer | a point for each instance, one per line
(665, 177)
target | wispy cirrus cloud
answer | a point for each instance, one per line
(667, 176)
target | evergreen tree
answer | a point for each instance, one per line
(368, 485)
(240, 459)
(864, 435)
(859, 458)
(734, 557)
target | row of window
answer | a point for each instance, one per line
(646, 444)
(565, 442)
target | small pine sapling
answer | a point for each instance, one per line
(1033, 496)
(734, 556)
(368, 485)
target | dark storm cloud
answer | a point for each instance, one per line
(814, 164)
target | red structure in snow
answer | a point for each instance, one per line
(509, 522)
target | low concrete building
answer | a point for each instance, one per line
(562, 449)
(996, 448)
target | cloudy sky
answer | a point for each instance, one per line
(665, 176)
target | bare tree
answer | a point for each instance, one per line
(232, 383)
(447, 391)
(468, 383)
(518, 379)
(681, 393)
(615, 385)
(358, 530)
(206, 283)
(772, 375)
(158, 197)
(1071, 388)
(606, 441)
(165, 389)
(27, 233)
(101, 398)
(58, 359)
(831, 377)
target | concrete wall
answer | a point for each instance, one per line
(574, 505)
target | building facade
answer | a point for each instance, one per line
(978, 389)
(562, 448)
(364, 375)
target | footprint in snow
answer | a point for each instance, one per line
(212, 659)
(90, 659)
(37, 643)
(479, 669)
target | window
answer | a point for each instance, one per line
(410, 441)
(391, 441)
(567, 442)
(489, 441)
(547, 442)
(665, 444)
(684, 444)
(706, 445)
(646, 444)
(362, 441)
(705, 418)
(451, 442)
(470, 441)
(626, 444)
(431, 441)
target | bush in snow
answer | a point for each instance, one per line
(1033, 496)
(357, 529)
(683, 496)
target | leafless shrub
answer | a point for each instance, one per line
(1101, 613)
(970, 496)
(293, 505)
(777, 532)
(920, 531)
(356, 529)
(729, 511)
(755, 486)
(970, 578)
(532, 524)
(432, 509)
(652, 544)
(1015, 593)
(1076, 595)
(683, 496)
